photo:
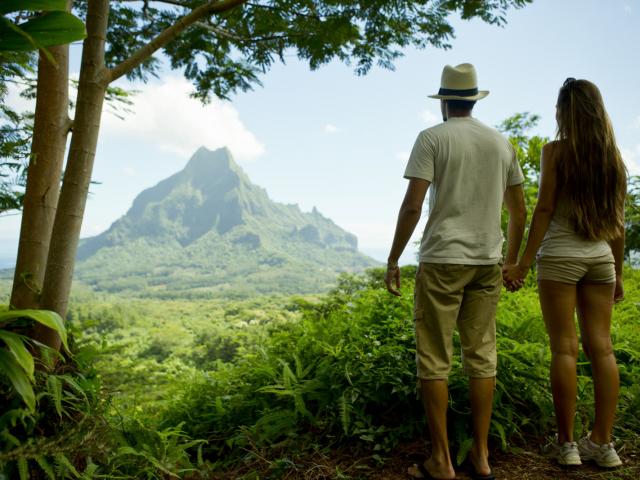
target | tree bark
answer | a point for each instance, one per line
(50, 130)
(77, 176)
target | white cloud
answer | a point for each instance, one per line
(627, 7)
(16, 102)
(429, 118)
(166, 116)
(631, 158)
(402, 156)
(330, 128)
(636, 124)
(129, 171)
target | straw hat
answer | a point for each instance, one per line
(460, 83)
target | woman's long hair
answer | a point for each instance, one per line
(591, 172)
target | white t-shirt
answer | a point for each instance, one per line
(469, 166)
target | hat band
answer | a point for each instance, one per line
(459, 93)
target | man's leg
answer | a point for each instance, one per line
(477, 327)
(435, 398)
(439, 291)
(481, 390)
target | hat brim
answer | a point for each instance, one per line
(479, 96)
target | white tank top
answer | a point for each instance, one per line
(561, 240)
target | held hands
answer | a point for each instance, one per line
(392, 278)
(513, 276)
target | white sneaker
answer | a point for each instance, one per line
(565, 454)
(604, 455)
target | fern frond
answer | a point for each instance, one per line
(45, 466)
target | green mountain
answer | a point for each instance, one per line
(208, 231)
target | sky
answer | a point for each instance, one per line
(340, 142)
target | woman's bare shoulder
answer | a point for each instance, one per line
(550, 150)
(552, 145)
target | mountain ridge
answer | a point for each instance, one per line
(210, 215)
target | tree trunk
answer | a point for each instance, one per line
(77, 177)
(50, 130)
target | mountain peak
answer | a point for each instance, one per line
(206, 163)
(210, 223)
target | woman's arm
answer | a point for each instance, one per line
(617, 248)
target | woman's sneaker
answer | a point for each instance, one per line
(565, 454)
(604, 455)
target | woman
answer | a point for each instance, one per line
(577, 230)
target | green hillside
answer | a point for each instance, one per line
(208, 231)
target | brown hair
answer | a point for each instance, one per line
(590, 168)
(464, 105)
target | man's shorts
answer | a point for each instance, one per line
(464, 295)
(577, 269)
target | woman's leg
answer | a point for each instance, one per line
(558, 303)
(595, 303)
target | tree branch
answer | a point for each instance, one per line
(177, 3)
(169, 34)
(220, 31)
(239, 38)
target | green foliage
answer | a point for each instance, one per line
(208, 387)
(51, 26)
(227, 53)
(632, 218)
(528, 150)
(16, 362)
(345, 373)
(15, 132)
(67, 435)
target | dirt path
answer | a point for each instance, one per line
(342, 464)
(522, 466)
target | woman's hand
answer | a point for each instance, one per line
(513, 276)
(618, 295)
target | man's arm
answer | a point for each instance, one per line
(408, 218)
(514, 202)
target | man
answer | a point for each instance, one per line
(472, 170)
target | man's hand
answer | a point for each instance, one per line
(392, 277)
(513, 276)
(618, 295)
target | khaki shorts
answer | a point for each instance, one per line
(577, 269)
(463, 295)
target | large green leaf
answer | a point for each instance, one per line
(52, 28)
(7, 6)
(19, 351)
(18, 378)
(45, 317)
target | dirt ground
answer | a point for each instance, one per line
(521, 465)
